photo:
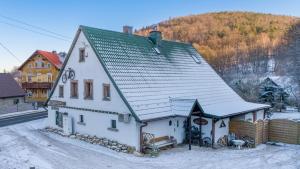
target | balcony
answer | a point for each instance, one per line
(37, 85)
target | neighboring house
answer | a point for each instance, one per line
(12, 96)
(126, 85)
(38, 74)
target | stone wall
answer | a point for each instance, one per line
(111, 144)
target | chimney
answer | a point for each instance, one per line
(127, 29)
(54, 52)
(155, 37)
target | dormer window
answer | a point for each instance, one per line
(196, 59)
(81, 54)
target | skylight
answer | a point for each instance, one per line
(196, 59)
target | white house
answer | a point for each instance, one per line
(119, 86)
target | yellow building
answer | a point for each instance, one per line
(38, 73)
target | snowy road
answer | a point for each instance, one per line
(23, 146)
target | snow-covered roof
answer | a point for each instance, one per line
(151, 81)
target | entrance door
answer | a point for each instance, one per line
(178, 129)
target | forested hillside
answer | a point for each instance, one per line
(239, 44)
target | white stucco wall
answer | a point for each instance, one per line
(260, 115)
(96, 123)
(89, 69)
(220, 132)
(162, 128)
(249, 117)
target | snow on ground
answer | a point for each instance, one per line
(290, 114)
(23, 146)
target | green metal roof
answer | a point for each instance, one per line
(156, 83)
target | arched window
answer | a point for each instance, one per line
(170, 123)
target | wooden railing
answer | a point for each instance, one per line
(37, 85)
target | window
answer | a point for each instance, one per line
(88, 89)
(106, 92)
(113, 124)
(74, 89)
(16, 101)
(49, 65)
(61, 91)
(39, 75)
(29, 78)
(42, 64)
(58, 119)
(81, 54)
(36, 65)
(81, 119)
(49, 75)
(170, 123)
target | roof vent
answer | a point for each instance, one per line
(156, 50)
(196, 59)
(127, 29)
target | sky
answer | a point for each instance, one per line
(64, 16)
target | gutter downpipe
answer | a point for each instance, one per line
(144, 124)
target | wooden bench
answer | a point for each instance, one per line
(159, 142)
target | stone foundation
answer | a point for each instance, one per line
(111, 144)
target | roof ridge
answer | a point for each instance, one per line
(140, 36)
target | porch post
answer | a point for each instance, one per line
(200, 130)
(190, 133)
(213, 133)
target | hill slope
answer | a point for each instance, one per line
(227, 38)
(241, 45)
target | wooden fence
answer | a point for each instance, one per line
(278, 130)
(286, 131)
(258, 131)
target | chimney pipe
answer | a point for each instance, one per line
(127, 29)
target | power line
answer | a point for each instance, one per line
(36, 27)
(4, 47)
(30, 30)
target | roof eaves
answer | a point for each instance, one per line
(245, 112)
(22, 95)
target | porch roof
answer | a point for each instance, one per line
(227, 109)
(183, 108)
